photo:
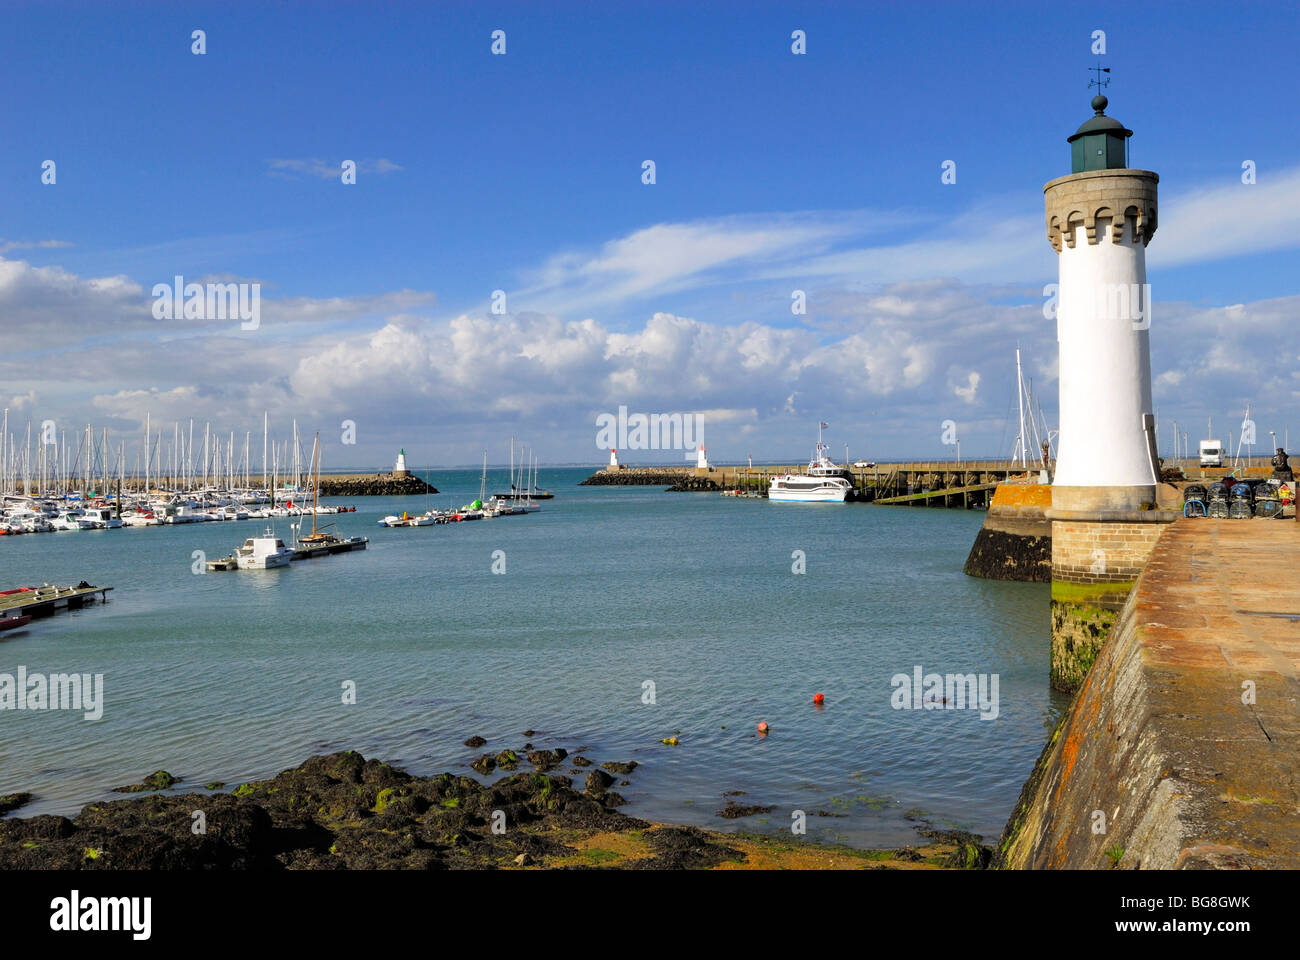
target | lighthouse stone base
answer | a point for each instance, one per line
(1102, 538)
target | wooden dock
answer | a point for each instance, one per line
(45, 600)
(926, 496)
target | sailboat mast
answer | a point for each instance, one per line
(1020, 400)
(315, 456)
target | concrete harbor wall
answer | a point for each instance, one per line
(1181, 749)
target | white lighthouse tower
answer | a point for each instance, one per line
(1104, 514)
(1100, 219)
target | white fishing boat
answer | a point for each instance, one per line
(263, 553)
(825, 481)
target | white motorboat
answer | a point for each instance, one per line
(141, 518)
(825, 481)
(27, 520)
(102, 517)
(263, 553)
(72, 521)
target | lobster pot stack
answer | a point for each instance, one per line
(1268, 500)
(1218, 500)
(1194, 501)
(1241, 504)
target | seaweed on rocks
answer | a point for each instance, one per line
(684, 848)
(333, 811)
(734, 811)
(158, 780)
(544, 760)
(12, 801)
(970, 852)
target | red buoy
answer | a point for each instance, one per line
(819, 698)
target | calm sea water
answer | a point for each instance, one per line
(237, 675)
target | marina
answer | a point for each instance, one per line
(569, 663)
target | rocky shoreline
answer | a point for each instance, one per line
(379, 485)
(342, 811)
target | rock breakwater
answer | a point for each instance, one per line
(376, 485)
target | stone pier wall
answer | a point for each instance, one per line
(1095, 563)
(1182, 748)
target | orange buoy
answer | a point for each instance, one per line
(762, 726)
(819, 698)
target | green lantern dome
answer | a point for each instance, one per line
(1100, 143)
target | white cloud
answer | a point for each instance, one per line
(1233, 220)
(900, 335)
(327, 169)
(7, 245)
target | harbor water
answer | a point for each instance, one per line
(618, 617)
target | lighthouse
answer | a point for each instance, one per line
(1104, 513)
(399, 467)
(1100, 219)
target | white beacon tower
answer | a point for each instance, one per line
(1104, 514)
(1100, 219)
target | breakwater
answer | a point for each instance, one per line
(1180, 749)
(373, 485)
(646, 477)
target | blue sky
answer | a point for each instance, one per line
(523, 173)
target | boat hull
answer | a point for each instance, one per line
(808, 498)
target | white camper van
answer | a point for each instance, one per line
(1211, 453)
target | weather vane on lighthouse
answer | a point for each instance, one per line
(1099, 82)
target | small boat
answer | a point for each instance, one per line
(102, 517)
(530, 494)
(140, 519)
(72, 521)
(13, 623)
(318, 543)
(263, 553)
